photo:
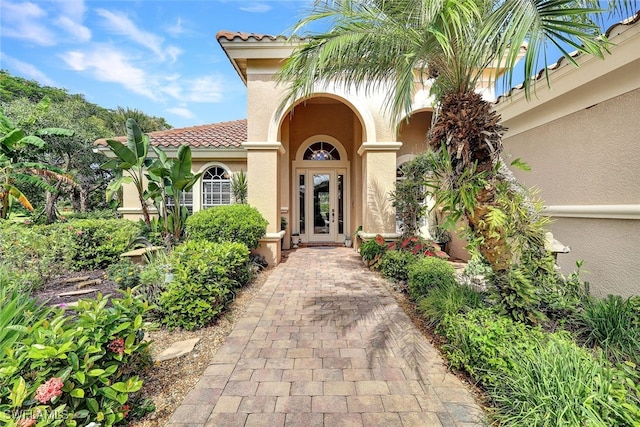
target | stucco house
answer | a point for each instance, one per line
(581, 138)
(327, 163)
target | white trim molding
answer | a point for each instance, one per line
(379, 146)
(594, 211)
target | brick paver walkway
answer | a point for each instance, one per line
(325, 344)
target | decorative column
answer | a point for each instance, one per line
(378, 181)
(263, 159)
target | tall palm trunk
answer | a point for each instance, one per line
(471, 132)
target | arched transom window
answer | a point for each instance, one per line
(321, 151)
(216, 187)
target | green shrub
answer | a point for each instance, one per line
(477, 342)
(32, 254)
(87, 360)
(203, 262)
(395, 265)
(205, 274)
(125, 273)
(229, 223)
(557, 383)
(192, 305)
(516, 296)
(96, 243)
(428, 273)
(447, 300)
(95, 214)
(612, 325)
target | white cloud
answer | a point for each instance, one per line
(119, 23)
(78, 31)
(204, 89)
(25, 69)
(23, 21)
(256, 8)
(176, 29)
(75, 9)
(174, 52)
(107, 64)
(181, 111)
(71, 19)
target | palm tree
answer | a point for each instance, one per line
(14, 171)
(397, 45)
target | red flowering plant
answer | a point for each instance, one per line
(73, 370)
(420, 246)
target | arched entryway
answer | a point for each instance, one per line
(321, 137)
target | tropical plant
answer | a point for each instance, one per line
(239, 187)
(410, 194)
(169, 179)
(612, 325)
(74, 155)
(132, 159)
(372, 251)
(14, 171)
(447, 300)
(387, 44)
(71, 369)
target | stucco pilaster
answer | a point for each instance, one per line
(379, 177)
(263, 159)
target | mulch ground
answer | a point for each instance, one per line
(69, 281)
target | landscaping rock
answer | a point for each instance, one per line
(178, 349)
(75, 279)
(80, 292)
(88, 283)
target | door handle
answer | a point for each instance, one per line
(333, 215)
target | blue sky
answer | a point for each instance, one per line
(157, 56)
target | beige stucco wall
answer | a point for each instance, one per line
(413, 134)
(590, 157)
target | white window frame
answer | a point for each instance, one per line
(225, 197)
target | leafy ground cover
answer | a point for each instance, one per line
(71, 363)
(572, 360)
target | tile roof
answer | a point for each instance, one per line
(231, 36)
(216, 135)
(541, 74)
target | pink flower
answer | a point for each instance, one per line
(79, 232)
(117, 346)
(27, 422)
(49, 390)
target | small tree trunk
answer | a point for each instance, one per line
(84, 197)
(50, 208)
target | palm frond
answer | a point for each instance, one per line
(374, 44)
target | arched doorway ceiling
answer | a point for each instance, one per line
(356, 105)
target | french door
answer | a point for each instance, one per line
(321, 204)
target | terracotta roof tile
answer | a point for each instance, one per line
(231, 36)
(217, 135)
(609, 33)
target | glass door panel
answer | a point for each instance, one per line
(321, 204)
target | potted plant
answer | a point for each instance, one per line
(295, 239)
(439, 233)
(347, 240)
(283, 227)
